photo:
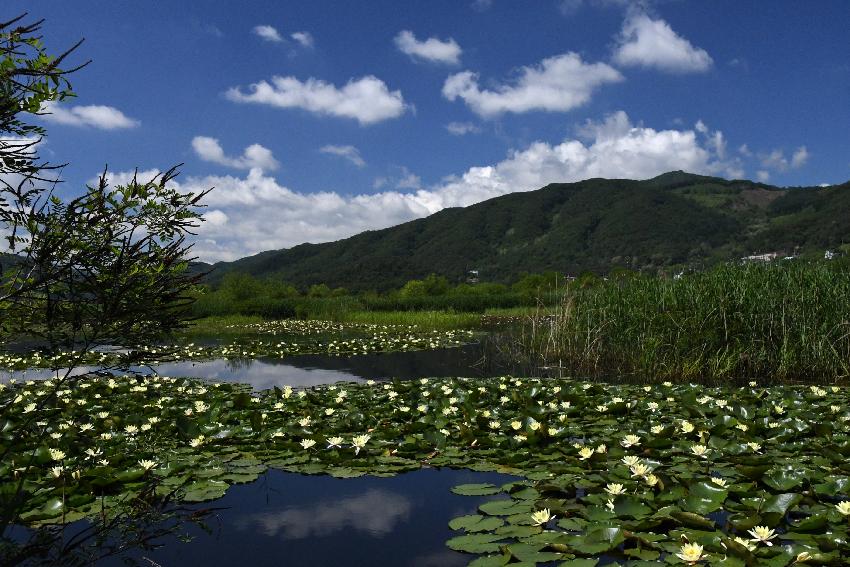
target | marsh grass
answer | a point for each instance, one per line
(783, 322)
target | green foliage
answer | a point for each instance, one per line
(623, 473)
(785, 321)
(597, 225)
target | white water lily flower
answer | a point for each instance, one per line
(541, 517)
(762, 534)
(843, 507)
(585, 453)
(630, 441)
(307, 443)
(656, 429)
(718, 481)
(687, 427)
(334, 442)
(630, 460)
(615, 489)
(359, 442)
(516, 425)
(57, 471)
(57, 455)
(651, 480)
(699, 450)
(610, 504)
(750, 546)
(690, 553)
(147, 464)
(640, 469)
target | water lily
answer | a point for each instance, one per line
(334, 442)
(762, 534)
(630, 441)
(640, 469)
(585, 453)
(718, 481)
(541, 517)
(615, 489)
(844, 507)
(147, 464)
(307, 443)
(699, 450)
(57, 455)
(747, 544)
(690, 553)
(359, 441)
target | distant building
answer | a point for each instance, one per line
(472, 276)
(769, 257)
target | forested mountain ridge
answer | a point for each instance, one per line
(674, 219)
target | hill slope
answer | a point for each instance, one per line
(597, 224)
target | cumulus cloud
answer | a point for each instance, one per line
(94, 116)
(557, 84)
(268, 33)
(646, 42)
(800, 157)
(432, 49)
(253, 213)
(776, 160)
(367, 99)
(462, 128)
(304, 38)
(350, 153)
(254, 156)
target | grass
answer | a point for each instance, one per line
(423, 319)
(784, 322)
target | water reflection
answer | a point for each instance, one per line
(308, 369)
(375, 512)
(292, 519)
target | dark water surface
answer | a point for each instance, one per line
(293, 519)
(306, 370)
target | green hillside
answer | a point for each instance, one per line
(674, 219)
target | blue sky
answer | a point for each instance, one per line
(317, 120)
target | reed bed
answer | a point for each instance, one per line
(787, 321)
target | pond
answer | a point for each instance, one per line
(291, 519)
(307, 370)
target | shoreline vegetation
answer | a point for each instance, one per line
(785, 321)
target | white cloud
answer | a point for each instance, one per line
(367, 99)
(304, 38)
(95, 116)
(254, 156)
(408, 180)
(776, 160)
(800, 157)
(432, 49)
(462, 128)
(763, 176)
(254, 213)
(268, 33)
(350, 153)
(653, 43)
(557, 84)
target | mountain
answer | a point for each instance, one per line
(676, 218)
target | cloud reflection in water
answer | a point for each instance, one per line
(375, 512)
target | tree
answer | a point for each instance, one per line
(106, 268)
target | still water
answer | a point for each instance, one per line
(293, 519)
(312, 369)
